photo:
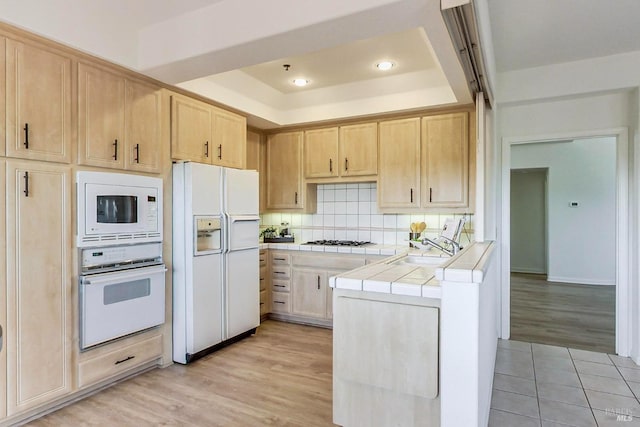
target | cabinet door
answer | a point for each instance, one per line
(100, 118)
(321, 153)
(229, 139)
(38, 103)
(256, 160)
(359, 150)
(3, 293)
(309, 293)
(39, 329)
(143, 131)
(3, 100)
(445, 161)
(399, 174)
(284, 174)
(191, 130)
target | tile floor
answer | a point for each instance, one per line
(547, 386)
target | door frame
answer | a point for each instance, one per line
(623, 313)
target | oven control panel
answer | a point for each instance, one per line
(110, 255)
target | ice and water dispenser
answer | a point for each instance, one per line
(208, 234)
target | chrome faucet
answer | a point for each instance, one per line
(426, 243)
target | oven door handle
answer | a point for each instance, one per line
(99, 279)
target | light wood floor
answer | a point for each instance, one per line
(282, 376)
(567, 315)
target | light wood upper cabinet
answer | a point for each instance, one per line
(359, 149)
(229, 139)
(39, 329)
(101, 117)
(284, 171)
(445, 160)
(257, 160)
(119, 121)
(399, 169)
(341, 152)
(191, 122)
(38, 104)
(321, 153)
(203, 133)
(143, 127)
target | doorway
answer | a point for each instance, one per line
(565, 213)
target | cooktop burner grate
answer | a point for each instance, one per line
(337, 243)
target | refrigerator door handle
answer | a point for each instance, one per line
(239, 218)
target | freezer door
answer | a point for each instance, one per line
(243, 232)
(204, 304)
(241, 192)
(242, 291)
(204, 183)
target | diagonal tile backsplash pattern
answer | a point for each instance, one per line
(349, 212)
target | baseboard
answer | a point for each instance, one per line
(527, 270)
(580, 281)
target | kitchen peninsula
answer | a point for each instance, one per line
(415, 339)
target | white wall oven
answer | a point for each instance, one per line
(116, 208)
(122, 291)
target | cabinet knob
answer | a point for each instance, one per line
(115, 150)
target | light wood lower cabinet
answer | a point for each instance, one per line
(3, 293)
(309, 293)
(120, 360)
(265, 284)
(38, 103)
(39, 304)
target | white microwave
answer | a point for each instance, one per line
(116, 208)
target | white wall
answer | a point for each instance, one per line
(528, 221)
(582, 240)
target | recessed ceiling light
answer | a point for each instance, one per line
(300, 82)
(385, 65)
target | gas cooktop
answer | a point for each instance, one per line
(337, 243)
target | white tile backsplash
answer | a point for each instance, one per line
(349, 212)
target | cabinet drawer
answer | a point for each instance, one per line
(263, 258)
(280, 302)
(281, 285)
(263, 271)
(118, 361)
(263, 283)
(281, 258)
(279, 272)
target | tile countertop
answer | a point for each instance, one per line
(417, 280)
(371, 249)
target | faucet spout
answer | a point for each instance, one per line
(455, 246)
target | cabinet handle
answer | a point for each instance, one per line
(412, 195)
(430, 194)
(296, 197)
(346, 164)
(126, 359)
(318, 282)
(279, 272)
(137, 159)
(262, 278)
(26, 184)
(330, 165)
(115, 150)
(206, 149)
(280, 259)
(220, 151)
(261, 303)
(26, 136)
(279, 302)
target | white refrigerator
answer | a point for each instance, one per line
(216, 277)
